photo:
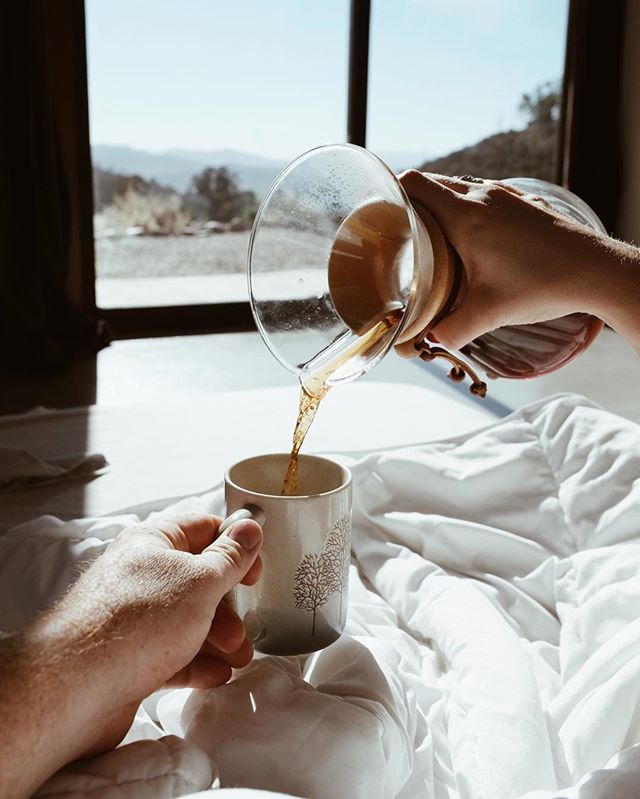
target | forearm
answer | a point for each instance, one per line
(52, 699)
(147, 613)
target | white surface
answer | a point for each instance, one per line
(494, 652)
(172, 768)
(161, 450)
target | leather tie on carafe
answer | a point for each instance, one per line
(430, 304)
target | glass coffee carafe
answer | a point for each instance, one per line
(343, 266)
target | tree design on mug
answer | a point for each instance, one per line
(337, 556)
(311, 589)
(320, 575)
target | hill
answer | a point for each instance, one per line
(516, 153)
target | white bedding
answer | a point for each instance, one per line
(493, 641)
(162, 451)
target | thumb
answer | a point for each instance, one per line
(232, 554)
(464, 324)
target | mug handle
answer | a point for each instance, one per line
(249, 511)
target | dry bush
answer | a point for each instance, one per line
(154, 213)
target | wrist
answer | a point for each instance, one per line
(66, 661)
(615, 297)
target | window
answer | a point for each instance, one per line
(194, 109)
(140, 76)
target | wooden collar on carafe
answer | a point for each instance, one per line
(441, 297)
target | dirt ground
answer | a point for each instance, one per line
(179, 256)
(171, 256)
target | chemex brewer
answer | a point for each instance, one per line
(343, 266)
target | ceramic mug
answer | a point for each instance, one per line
(299, 604)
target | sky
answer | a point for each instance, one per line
(270, 76)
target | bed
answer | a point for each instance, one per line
(492, 648)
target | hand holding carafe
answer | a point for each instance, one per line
(516, 275)
(524, 262)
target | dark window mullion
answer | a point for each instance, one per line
(358, 72)
(84, 159)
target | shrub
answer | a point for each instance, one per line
(154, 213)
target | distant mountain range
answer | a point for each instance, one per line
(176, 167)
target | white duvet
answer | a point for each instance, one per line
(492, 647)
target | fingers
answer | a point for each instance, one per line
(204, 671)
(211, 667)
(225, 648)
(461, 185)
(466, 185)
(470, 319)
(254, 573)
(441, 193)
(231, 556)
(237, 659)
(227, 631)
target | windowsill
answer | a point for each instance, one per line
(154, 292)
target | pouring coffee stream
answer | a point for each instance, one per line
(315, 385)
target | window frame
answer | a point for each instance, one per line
(590, 99)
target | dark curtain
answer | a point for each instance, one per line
(40, 328)
(591, 137)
